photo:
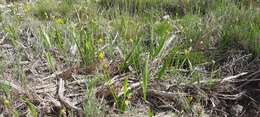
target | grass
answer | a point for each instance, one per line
(33, 109)
(146, 78)
(91, 108)
(138, 28)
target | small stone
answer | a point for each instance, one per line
(166, 17)
(73, 50)
(237, 109)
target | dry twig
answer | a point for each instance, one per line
(230, 78)
(64, 100)
(169, 95)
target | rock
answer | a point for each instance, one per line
(237, 109)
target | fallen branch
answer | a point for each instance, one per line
(21, 91)
(230, 78)
(169, 95)
(54, 101)
(250, 77)
(65, 74)
(231, 97)
(6, 46)
(64, 100)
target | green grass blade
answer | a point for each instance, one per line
(146, 78)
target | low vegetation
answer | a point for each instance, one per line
(129, 58)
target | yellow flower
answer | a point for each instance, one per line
(27, 9)
(190, 99)
(100, 41)
(62, 111)
(213, 61)
(46, 15)
(182, 28)
(7, 103)
(127, 102)
(186, 52)
(59, 21)
(105, 65)
(131, 40)
(101, 56)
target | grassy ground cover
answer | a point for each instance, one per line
(129, 57)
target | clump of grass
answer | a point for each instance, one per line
(91, 108)
(175, 8)
(8, 106)
(12, 34)
(46, 38)
(141, 30)
(133, 57)
(133, 7)
(85, 44)
(50, 61)
(240, 26)
(125, 96)
(158, 35)
(191, 27)
(43, 9)
(5, 89)
(47, 9)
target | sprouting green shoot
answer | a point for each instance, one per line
(123, 103)
(49, 60)
(146, 78)
(32, 108)
(116, 98)
(150, 112)
(12, 33)
(47, 40)
(8, 105)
